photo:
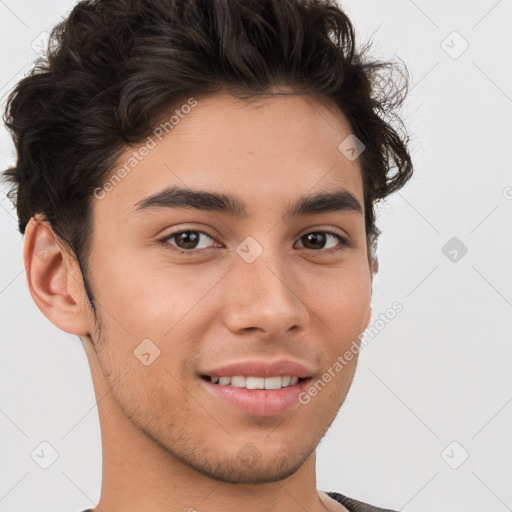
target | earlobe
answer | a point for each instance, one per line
(54, 281)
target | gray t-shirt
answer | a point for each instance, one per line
(354, 505)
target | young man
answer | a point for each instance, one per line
(196, 183)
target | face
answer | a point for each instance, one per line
(264, 287)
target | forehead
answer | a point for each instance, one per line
(273, 149)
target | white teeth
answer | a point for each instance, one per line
(239, 381)
(255, 383)
(285, 381)
(272, 382)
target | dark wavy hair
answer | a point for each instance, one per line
(113, 67)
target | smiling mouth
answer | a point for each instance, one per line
(252, 382)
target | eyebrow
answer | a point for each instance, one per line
(178, 197)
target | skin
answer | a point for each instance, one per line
(167, 445)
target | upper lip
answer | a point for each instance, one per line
(261, 368)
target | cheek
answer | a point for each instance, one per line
(148, 295)
(341, 299)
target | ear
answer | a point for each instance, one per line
(54, 279)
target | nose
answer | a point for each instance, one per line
(263, 295)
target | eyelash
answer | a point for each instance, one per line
(165, 240)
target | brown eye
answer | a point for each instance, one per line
(317, 240)
(187, 240)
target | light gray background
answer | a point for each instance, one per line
(438, 373)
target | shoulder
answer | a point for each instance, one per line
(354, 505)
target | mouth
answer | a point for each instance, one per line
(256, 396)
(254, 382)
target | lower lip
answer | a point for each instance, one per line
(259, 402)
